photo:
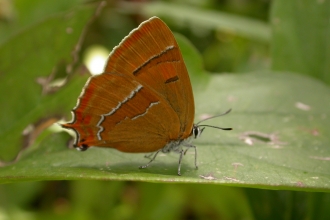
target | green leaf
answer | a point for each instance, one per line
(301, 37)
(22, 14)
(38, 52)
(203, 19)
(297, 159)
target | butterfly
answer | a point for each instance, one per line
(143, 101)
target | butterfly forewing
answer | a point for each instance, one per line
(152, 55)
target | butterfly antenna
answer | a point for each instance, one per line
(214, 117)
(211, 126)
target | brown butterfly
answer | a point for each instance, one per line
(143, 102)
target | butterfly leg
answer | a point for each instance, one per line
(181, 152)
(191, 146)
(196, 157)
(153, 158)
(149, 155)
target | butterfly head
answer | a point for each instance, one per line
(197, 131)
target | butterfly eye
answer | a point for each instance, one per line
(197, 131)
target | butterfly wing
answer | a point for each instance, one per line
(116, 111)
(143, 100)
(151, 54)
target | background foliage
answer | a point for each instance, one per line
(268, 60)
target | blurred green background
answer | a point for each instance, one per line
(233, 36)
